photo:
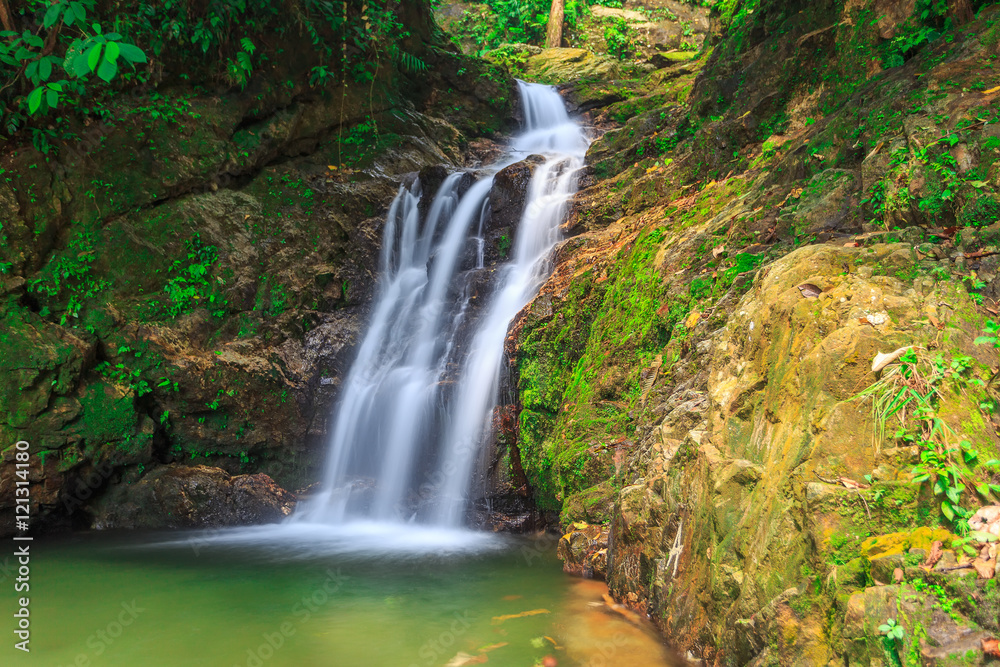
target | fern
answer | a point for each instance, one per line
(411, 63)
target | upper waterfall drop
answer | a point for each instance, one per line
(407, 430)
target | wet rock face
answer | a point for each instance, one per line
(584, 551)
(194, 497)
(510, 189)
(507, 202)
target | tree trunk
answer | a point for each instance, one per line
(5, 18)
(553, 36)
(960, 11)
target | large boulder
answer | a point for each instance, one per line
(561, 65)
(194, 497)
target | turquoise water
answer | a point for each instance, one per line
(278, 599)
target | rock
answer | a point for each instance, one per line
(193, 497)
(584, 550)
(987, 520)
(563, 65)
(510, 189)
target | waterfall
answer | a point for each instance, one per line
(407, 431)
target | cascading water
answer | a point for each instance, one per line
(402, 422)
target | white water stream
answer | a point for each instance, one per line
(416, 405)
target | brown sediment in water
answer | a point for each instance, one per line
(596, 634)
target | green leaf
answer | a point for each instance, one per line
(35, 100)
(52, 14)
(70, 17)
(107, 70)
(80, 66)
(44, 69)
(978, 184)
(94, 57)
(52, 98)
(111, 52)
(79, 10)
(132, 53)
(948, 512)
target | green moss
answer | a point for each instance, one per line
(579, 374)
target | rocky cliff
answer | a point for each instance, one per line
(753, 386)
(183, 283)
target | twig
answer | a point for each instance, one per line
(677, 549)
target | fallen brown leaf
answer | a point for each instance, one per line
(507, 617)
(978, 254)
(983, 569)
(492, 647)
(991, 647)
(897, 575)
(809, 290)
(934, 556)
(462, 659)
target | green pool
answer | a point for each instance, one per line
(302, 596)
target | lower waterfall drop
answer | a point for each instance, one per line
(406, 430)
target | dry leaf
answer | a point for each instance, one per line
(462, 659)
(506, 617)
(991, 647)
(692, 320)
(990, 92)
(851, 484)
(492, 647)
(935, 322)
(983, 569)
(978, 254)
(897, 575)
(934, 556)
(852, 244)
(549, 661)
(809, 290)
(718, 251)
(882, 359)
